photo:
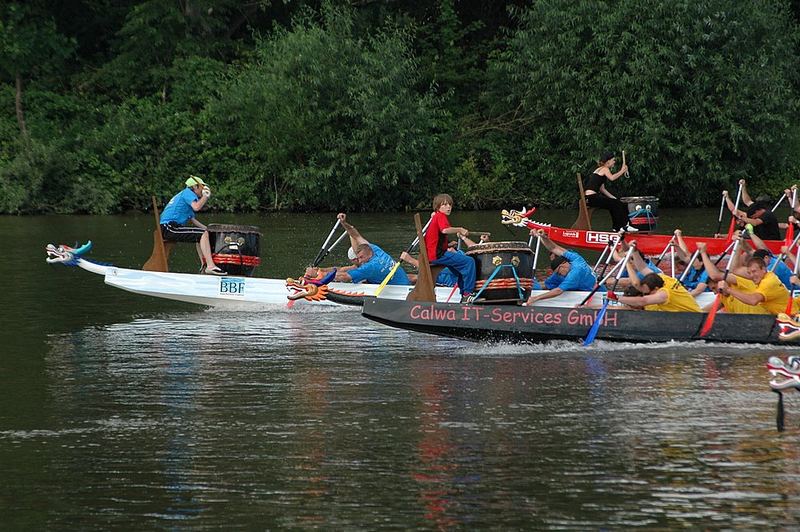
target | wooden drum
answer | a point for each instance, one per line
(506, 258)
(235, 248)
(642, 212)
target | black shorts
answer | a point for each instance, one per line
(181, 233)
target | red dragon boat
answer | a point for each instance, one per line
(648, 243)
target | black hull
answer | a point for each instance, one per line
(540, 324)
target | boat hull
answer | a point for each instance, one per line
(233, 292)
(540, 324)
(647, 243)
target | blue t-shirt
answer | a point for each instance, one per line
(580, 276)
(377, 268)
(179, 209)
(695, 277)
(782, 271)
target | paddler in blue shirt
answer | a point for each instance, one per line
(371, 263)
(570, 272)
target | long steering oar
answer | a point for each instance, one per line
(712, 314)
(324, 250)
(598, 320)
(397, 264)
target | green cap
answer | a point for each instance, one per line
(194, 180)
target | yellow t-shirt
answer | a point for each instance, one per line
(734, 306)
(678, 298)
(776, 296)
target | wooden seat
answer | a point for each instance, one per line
(159, 258)
(584, 219)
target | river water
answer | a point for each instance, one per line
(127, 412)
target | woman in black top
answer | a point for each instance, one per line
(599, 198)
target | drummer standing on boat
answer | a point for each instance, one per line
(180, 210)
(598, 197)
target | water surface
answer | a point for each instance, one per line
(123, 411)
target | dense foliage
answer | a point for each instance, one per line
(370, 105)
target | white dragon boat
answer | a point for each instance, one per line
(250, 293)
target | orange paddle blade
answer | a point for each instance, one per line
(711, 315)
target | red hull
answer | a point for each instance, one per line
(648, 243)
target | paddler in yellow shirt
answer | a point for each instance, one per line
(757, 287)
(660, 291)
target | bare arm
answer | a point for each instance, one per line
(713, 272)
(656, 298)
(746, 199)
(749, 298)
(682, 250)
(555, 292)
(405, 257)
(355, 237)
(197, 223)
(549, 244)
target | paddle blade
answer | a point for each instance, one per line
(388, 278)
(598, 320)
(712, 314)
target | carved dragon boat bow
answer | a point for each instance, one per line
(66, 255)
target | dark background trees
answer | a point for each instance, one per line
(376, 104)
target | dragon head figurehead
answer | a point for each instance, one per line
(309, 289)
(786, 374)
(63, 254)
(788, 327)
(518, 218)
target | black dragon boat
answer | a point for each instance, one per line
(535, 324)
(505, 320)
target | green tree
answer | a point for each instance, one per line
(331, 119)
(700, 93)
(29, 41)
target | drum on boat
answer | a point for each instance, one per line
(498, 266)
(235, 248)
(642, 212)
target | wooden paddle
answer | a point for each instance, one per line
(158, 261)
(712, 314)
(397, 264)
(598, 319)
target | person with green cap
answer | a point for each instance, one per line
(180, 210)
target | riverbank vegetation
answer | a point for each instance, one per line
(373, 105)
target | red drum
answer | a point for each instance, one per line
(507, 258)
(235, 248)
(642, 212)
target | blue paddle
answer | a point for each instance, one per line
(598, 320)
